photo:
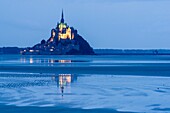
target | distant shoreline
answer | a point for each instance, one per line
(16, 50)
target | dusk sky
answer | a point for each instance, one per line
(116, 24)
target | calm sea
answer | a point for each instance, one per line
(84, 84)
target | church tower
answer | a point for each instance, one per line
(64, 40)
(62, 17)
(62, 31)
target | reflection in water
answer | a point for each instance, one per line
(48, 61)
(23, 60)
(51, 61)
(64, 80)
(31, 60)
(59, 61)
(64, 61)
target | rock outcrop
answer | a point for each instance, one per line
(64, 40)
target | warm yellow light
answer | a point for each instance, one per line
(31, 60)
(72, 36)
(64, 79)
(62, 25)
(64, 61)
(53, 34)
(31, 50)
(68, 77)
(67, 35)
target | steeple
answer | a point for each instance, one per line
(62, 17)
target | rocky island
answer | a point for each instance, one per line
(64, 40)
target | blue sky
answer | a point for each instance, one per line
(103, 23)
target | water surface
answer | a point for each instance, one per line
(85, 83)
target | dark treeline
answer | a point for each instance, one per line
(10, 50)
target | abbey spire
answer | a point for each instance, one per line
(64, 40)
(62, 17)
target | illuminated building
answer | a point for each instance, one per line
(64, 40)
(62, 31)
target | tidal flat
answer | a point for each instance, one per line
(85, 84)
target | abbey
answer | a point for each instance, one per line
(62, 31)
(64, 40)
